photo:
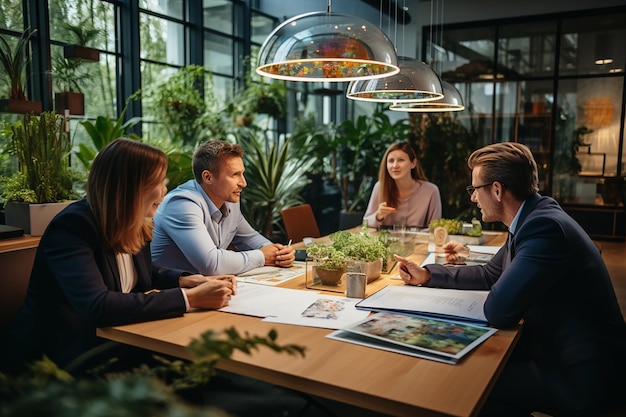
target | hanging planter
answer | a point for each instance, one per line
(13, 61)
(72, 101)
(20, 106)
(84, 34)
(84, 53)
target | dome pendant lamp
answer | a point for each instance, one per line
(451, 101)
(325, 46)
(416, 82)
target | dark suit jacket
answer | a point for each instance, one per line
(75, 287)
(556, 282)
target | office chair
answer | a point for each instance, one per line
(300, 222)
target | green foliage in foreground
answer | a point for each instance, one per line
(46, 390)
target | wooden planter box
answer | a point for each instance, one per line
(33, 218)
(20, 106)
(74, 102)
(81, 52)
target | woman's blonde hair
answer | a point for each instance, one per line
(388, 188)
(119, 177)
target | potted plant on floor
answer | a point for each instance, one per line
(276, 173)
(13, 61)
(43, 186)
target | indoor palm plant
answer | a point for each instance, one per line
(45, 182)
(276, 173)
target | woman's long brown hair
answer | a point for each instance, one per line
(118, 179)
(388, 189)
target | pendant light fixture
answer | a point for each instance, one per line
(451, 100)
(326, 46)
(416, 82)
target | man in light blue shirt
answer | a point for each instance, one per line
(198, 222)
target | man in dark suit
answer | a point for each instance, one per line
(570, 358)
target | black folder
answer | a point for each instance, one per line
(10, 231)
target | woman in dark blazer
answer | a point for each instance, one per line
(93, 266)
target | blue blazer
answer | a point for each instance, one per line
(556, 282)
(75, 287)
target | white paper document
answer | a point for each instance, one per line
(437, 302)
(258, 300)
(304, 308)
(318, 310)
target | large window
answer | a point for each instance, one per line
(554, 83)
(513, 97)
(141, 44)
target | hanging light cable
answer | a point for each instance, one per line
(451, 100)
(326, 46)
(416, 82)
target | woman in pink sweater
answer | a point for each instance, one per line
(402, 195)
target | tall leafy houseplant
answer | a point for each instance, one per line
(13, 61)
(276, 173)
(42, 145)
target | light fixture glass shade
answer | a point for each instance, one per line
(324, 46)
(451, 101)
(416, 82)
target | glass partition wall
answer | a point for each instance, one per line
(556, 84)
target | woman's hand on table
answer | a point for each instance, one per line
(215, 292)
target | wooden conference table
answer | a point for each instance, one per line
(374, 379)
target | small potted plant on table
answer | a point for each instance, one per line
(364, 251)
(329, 263)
